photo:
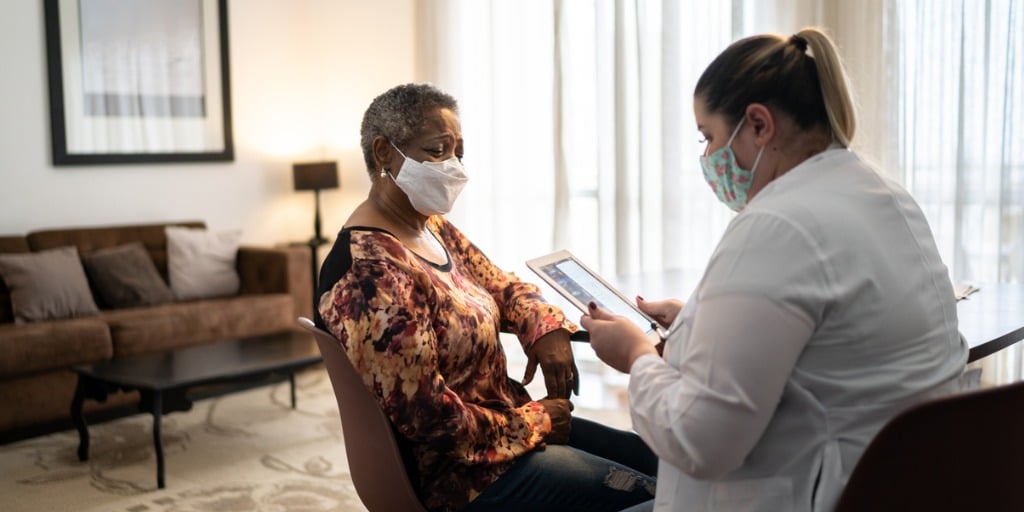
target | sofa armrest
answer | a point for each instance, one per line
(278, 270)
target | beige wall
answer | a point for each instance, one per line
(302, 72)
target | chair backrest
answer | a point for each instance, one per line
(964, 452)
(374, 458)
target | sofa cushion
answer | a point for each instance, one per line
(31, 348)
(89, 240)
(144, 330)
(201, 264)
(125, 277)
(47, 285)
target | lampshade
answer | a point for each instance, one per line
(315, 175)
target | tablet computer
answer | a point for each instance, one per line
(580, 285)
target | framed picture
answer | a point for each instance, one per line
(138, 81)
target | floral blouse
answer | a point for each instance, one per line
(425, 339)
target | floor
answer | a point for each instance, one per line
(247, 451)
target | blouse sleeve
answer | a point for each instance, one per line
(381, 316)
(524, 312)
(706, 416)
(764, 292)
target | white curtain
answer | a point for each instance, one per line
(960, 134)
(579, 125)
(961, 129)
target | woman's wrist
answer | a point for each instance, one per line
(640, 351)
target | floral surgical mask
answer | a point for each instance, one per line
(730, 182)
(431, 187)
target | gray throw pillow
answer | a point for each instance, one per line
(201, 264)
(47, 285)
(125, 277)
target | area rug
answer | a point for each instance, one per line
(242, 452)
(248, 451)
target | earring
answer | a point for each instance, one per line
(383, 173)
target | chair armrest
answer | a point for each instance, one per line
(277, 270)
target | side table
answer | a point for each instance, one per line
(314, 245)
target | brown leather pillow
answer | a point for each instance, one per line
(126, 277)
(47, 285)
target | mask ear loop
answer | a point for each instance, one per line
(734, 132)
(757, 160)
(759, 152)
(383, 172)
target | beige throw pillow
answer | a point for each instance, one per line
(47, 285)
(201, 263)
(126, 277)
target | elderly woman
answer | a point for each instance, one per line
(418, 309)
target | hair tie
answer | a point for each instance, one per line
(799, 42)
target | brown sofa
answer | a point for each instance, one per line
(36, 381)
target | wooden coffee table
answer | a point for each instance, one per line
(164, 379)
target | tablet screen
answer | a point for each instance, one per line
(585, 287)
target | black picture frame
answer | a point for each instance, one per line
(89, 127)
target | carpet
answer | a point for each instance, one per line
(243, 452)
(246, 451)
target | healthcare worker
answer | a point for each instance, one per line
(823, 312)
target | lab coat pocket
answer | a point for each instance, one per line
(760, 495)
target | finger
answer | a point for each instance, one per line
(585, 322)
(654, 308)
(531, 369)
(564, 382)
(555, 384)
(575, 379)
(596, 312)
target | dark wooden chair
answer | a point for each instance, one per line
(963, 452)
(374, 457)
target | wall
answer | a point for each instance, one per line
(302, 72)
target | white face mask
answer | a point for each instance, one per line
(431, 187)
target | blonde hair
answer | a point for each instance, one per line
(802, 75)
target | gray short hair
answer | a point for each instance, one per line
(397, 113)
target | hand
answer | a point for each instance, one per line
(662, 311)
(615, 339)
(559, 410)
(554, 353)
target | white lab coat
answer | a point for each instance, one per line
(823, 312)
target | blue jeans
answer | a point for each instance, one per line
(600, 469)
(647, 506)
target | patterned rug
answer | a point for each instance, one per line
(246, 451)
(242, 452)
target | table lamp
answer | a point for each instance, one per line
(315, 176)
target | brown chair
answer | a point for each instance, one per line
(964, 452)
(374, 458)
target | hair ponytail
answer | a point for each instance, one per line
(801, 75)
(835, 90)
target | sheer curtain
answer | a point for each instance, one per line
(960, 134)
(961, 129)
(579, 126)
